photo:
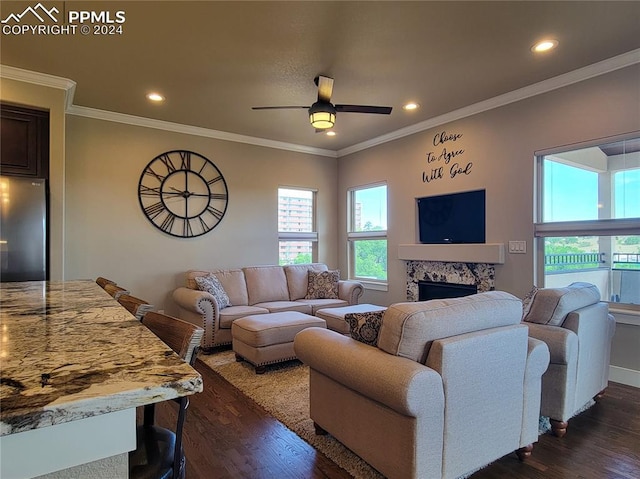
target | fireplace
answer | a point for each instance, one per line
(480, 276)
(435, 290)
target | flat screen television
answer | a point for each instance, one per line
(452, 218)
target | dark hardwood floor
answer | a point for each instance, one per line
(229, 436)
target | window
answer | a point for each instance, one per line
(367, 234)
(588, 218)
(296, 226)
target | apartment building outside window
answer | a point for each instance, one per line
(297, 234)
(367, 234)
(588, 218)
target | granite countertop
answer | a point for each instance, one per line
(69, 351)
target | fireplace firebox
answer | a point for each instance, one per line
(435, 290)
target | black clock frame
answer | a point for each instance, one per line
(156, 190)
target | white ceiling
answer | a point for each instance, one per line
(215, 60)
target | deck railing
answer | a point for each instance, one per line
(591, 260)
(626, 260)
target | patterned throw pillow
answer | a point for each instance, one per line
(365, 327)
(528, 301)
(211, 285)
(323, 284)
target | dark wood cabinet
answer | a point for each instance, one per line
(24, 141)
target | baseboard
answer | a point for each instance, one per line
(630, 377)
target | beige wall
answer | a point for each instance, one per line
(52, 99)
(108, 235)
(501, 144)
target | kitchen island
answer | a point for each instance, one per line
(74, 365)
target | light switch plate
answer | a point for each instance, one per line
(518, 247)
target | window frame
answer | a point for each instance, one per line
(302, 236)
(354, 236)
(580, 228)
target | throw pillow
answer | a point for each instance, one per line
(212, 285)
(365, 327)
(323, 284)
(527, 301)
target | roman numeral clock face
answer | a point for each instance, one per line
(183, 193)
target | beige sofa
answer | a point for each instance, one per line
(451, 386)
(578, 329)
(255, 290)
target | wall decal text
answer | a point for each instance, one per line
(439, 161)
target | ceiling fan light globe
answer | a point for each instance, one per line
(322, 115)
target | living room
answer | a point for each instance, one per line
(97, 155)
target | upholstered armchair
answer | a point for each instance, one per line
(447, 387)
(578, 329)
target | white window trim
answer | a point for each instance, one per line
(352, 236)
(608, 227)
(374, 285)
(297, 236)
(303, 235)
(373, 234)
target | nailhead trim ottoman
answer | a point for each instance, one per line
(335, 316)
(263, 339)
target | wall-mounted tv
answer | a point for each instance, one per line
(452, 218)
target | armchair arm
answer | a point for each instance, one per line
(593, 320)
(199, 308)
(401, 384)
(537, 364)
(350, 291)
(538, 358)
(562, 343)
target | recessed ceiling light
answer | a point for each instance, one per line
(410, 106)
(153, 96)
(544, 46)
(331, 133)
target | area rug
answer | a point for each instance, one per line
(283, 391)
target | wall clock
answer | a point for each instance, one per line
(183, 193)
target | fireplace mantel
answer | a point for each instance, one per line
(491, 253)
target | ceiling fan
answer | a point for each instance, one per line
(322, 114)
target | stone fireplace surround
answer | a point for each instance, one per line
(451, 263)
(480, 274)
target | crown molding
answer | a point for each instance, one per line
(42, 79)
(69, 86)
(576, 76)
(194, 130)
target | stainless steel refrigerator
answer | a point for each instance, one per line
(23, 229)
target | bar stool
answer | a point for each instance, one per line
(159, 452)
(136, 306)
(102, 282)
(115, 290)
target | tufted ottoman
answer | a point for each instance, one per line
(265, 339)
(335, 316)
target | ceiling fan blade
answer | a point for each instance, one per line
(381, 110)
(325, 88)
(277, 107)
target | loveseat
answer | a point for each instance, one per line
(451, 385)
(578, 329)
(258, 290)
